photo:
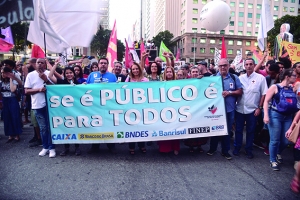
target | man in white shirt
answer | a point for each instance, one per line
(35, 86)
(249, 106)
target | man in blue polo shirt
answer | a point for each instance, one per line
(232, 88)
(102, 76)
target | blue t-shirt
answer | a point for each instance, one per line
(97, 77)
(230, 85)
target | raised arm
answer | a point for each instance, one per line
(258, 66)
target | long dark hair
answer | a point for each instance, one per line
(72, 69)
(286, 72)
(6, 69)
(159, 69)
(80, 71)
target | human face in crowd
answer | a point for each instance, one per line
(293, 77)
(2, 74)
(41, 65)
(180, 74)
(281, 67)
(297, 69)
(135, 71)
(185, 71)
(249, 66)
(195, 72)
(169, 74)
(158, 60)
(223, 67)
(272, 74)
(95, 68)
(103, 65)
(69, 74)
(153, 68)
(118, 68)
(77, 71)
(124, 72)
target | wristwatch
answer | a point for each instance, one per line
(230, 92)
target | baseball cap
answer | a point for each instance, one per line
(202, 63)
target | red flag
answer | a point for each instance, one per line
(5, 46)
(128, 57)
(178, 55)
(112, 48)
(37, 52)
(142, 49)
(223, 53)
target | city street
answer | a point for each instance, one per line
(25, 175)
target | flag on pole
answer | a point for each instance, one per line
(163, 49)
(256, 57)
(37, 52)
(217, 56)
(223, 53)
(266, 23)
(112, 48)
(142, 49)
(132, 50)
(6, 43)
(178, 55)
(238, 62)
(128, 57)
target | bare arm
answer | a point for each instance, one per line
(12, 86)
(295, 121)
(258, 66)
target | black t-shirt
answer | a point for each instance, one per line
(123, 77)
(206, 74)
(65, 81)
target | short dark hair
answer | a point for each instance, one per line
(103, 58)
(286, 72)
(11, 63)
(274, 68)
(251, 60)
(80, 71)
(69, 68)
(159, 69)
(287, 63)
(295, 65)
(270, 62)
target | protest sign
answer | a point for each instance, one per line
(293, 50)
(131, 112)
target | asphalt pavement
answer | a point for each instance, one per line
(25, 175)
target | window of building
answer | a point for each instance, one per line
(275, 17)
(241, 14)
(255, 44)
(231, 23)
(220, 41)
(247, 52)
(195, 11)
(238, 51)
(292, 9)
(212, 41)
(204, 1)
(285, 0)
(232, 4)
(222, 32)
(257, 25)
(231, 32)
(195, 20)
(293, 1)
(194, 49)
(240, 32)
(248, 33)
(241, 24)
(249, 15)
(259, 6)
(202, 50)
(256, 33)
(195, 1)
(241, 5)
(248, 43)
(195, 30)
(258, 16)
(249, 24)
(182, 50)
(239, 43)
(202, 40)
(230, 51)
(232, 13)
(194, 40)
(276, 8)
(285, 9)
(230, 42)
(203, 30)
(212, 50)
(250, 5)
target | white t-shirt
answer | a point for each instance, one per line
(33, 81)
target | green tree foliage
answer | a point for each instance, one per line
(100, 42)
(294, 22)
(166, 37)
(19, 32)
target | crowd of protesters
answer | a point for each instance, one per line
(251, 99)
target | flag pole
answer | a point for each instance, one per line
(45, 45)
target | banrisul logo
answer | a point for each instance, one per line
(120, 134)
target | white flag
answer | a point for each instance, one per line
(266, 23)
(132, 50)
(238, 62)
(217, 56)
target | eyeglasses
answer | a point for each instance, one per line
(118, 66)
(223, 66)
(103, 63)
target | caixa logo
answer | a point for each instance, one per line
(216, 128)
(132, 134)
(64, 137)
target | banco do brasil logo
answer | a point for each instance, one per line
(120, 134)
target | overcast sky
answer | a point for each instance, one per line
(126, 12)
